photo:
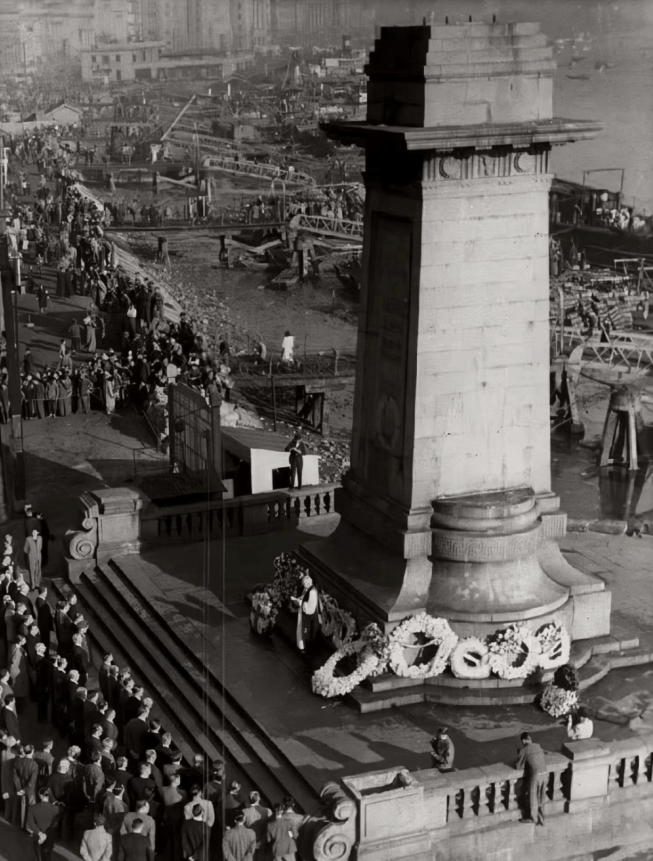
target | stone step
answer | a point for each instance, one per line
(181, 708)
(106, 643)
(589, 674)
(164, 642)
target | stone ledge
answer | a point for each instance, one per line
(607, 527)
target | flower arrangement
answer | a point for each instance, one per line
(377, 641)
(337, 624)
(470, 659)
(555, 645)
(557, 701)
(514, 652)
(437, 631)
(324, 682)
(264, 612)
(287, 579)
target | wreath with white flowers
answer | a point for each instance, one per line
(326, 684)
(437, 631)
(377, 641)
(514, 652)
(337, 624)
(558, 701)
(470, 659)
(555, 645)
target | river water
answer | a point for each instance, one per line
(607, 48)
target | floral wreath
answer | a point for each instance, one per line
(378, 643)
(469, 659)
(326, 684)
(558, 701)
(440, 634)
(263, 613)
(555, 645)
(287, 579)
(337, 624)
(514, 652)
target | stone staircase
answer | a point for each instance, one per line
(194, 705)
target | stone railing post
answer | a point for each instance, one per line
(392, 820)
(590, 769)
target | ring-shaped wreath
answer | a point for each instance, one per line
(436, 630)
(469, 660)
(326, 684)
(555, 645)
(514, 652)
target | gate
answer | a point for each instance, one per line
(195, 445)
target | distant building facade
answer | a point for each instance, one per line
(129, 61)
(140, 61)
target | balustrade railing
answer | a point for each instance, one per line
(232, 518)
(478, 793)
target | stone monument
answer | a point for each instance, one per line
(447, 506)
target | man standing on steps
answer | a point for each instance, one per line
(135, 846)
(282, 835)
(536, 775)
(239, 843)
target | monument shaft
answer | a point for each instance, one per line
(450, 461)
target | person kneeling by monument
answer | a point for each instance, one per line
(443, 751)
(531, 758)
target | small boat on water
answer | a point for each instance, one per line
(578, 77)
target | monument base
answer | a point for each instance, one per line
(490, 562)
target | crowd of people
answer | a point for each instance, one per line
(129, 311)
(118, 785)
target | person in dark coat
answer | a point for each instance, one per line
(442, 753)
(39, 396)
(9, 718)
(26, 773)
(42, 822)
(536, 776)
(297, 449)
(76, 337)
(195, 837)
(44, 615)
(64, 628)
(30, 520)
(103, 676)
(135, 846)
(46, 535)
(281, 834)
(77, 660)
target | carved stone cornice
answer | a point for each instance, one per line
(481, 137)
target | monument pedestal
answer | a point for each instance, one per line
(490, 563)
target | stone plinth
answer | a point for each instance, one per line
(109, 526)
(452, 383)
(486, 569)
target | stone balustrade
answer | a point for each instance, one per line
(472, 813)
(116, 521)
